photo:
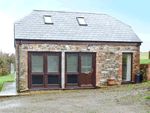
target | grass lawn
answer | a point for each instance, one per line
(144, 61)
(128, 87)
(6, 78)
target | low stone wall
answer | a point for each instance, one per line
(108, 59)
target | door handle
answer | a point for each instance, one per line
(92, 69)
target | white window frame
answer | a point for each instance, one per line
(50, 19)
(81, 23)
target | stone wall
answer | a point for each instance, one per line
(108, 59)
(148, 72)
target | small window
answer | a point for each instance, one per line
(81, 21)
(37, 63)
(53, 79)
(72, 63)
(48, 20)
(53, 63)
(86, 63)
(72, 79)
(37, 80)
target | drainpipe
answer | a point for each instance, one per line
(19, 66)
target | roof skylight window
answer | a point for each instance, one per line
(48, 20)
(81, 21)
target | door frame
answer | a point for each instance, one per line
(82, 73)
(72, 73)
(79, 68)
(30, 74)
(45, 74)
(123, 82)
(53, 73)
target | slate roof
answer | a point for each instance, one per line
(100, 27)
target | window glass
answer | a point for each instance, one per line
(53, 79)
(72, 79)
(126, 67)
(53, 63)
(37, 63)
(86, 63)
(47, 19)
(81, 21)
(72, 63)
(37, 80)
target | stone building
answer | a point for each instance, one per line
(60, 50)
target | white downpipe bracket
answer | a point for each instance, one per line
(63, 70)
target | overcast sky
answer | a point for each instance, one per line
(135, 13)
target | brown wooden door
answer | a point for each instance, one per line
(53, 70)
(87, 69)
(71, 69)
(44, 70)
(80, 69)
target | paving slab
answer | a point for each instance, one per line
(9, 89)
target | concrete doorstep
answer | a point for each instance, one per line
(9, 89)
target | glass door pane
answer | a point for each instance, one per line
(37, 63)
(72, 63)
(53, 63)
(128, 78)
(126, 67)
(37, 80)
(86, 62)
(53, 79)
(53, 70)
(72, 79)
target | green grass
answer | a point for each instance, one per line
(130, 87)
(144, 61)
(6, 78)
(147, 97)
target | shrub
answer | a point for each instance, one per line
(5, 62)
(147, 97)
(1, 72)
(6, 68)
(4, 71)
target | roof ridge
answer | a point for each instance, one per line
(70, 11)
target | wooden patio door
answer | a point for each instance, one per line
(87, 70)
(44, 70)
(126, 67)
(80, 70)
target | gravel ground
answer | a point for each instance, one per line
(85, 101)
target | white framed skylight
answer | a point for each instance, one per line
(47, 19)
(81, 21)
